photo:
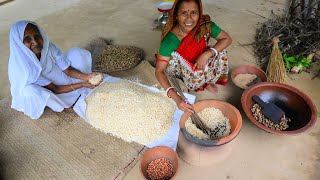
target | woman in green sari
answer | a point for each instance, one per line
(185, 52)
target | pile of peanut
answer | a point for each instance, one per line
(116, 58)
(160, 169)
(257, 114)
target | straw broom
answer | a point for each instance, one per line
(194, 116)
(276, 71)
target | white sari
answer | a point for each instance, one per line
(28, 75)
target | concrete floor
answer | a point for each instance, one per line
(254, 154)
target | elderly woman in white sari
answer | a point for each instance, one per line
(41, 75)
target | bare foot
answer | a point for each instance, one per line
(212, 88)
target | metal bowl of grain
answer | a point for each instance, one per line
(227, 110)
(160, 162)
(245, 76)
(299, 109)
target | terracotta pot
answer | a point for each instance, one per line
(228, 111)
(199, 155)
(248, 70)
(156, 153)
(297, 105)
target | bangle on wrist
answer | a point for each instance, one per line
(72, 87)
(215, 52)
(211, 52)
(169, 88)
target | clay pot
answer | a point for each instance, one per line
(199, 155)
(228, 111)
(156, 153)
(248, 70)
(297, 105)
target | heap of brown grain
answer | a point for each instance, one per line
(160, 169)
(241, 80)
(107, 57)
(117, 58)
(257, 114)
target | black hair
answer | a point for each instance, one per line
(179, 4)
(30, 25)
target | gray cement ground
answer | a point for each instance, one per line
(254, 154)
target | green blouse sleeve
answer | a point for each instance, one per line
(215, 30)
(169, 44)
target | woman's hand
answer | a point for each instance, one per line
(91, 75)
(182, 105)
(161, 65)
(87, 85)
(95, 74)
(202, 61)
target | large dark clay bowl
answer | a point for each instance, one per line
(297, 105)
(228, 110)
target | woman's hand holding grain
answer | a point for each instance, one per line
(92, 78)
(96, 74)
(91, 75)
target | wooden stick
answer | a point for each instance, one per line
(245, 49)
(315, 76)
(5, 2)
(256, 14)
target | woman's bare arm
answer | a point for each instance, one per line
(74, 73)
(58, 89)
(224, 40)
(161, 65)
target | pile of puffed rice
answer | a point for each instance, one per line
(95, 80)
(214, 119)
(130, 111)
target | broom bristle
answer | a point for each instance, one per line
(194, 116)
(276, 71)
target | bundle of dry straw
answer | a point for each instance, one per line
(194, 117)
(276, 71)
